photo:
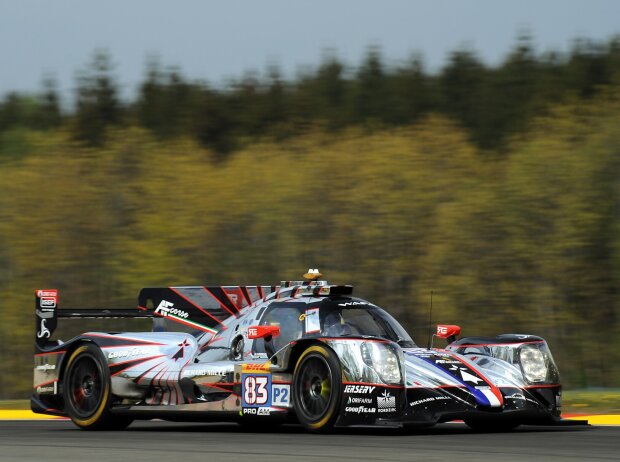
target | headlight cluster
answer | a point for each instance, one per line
(533, 364)
(383, 360)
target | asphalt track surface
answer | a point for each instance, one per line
(180, 442)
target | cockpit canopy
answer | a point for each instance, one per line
(342, 317)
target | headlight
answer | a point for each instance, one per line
(533, 363)
(383, 360)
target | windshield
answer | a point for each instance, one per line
(362, 321)
(331, 319)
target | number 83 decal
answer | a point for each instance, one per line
(256, 390)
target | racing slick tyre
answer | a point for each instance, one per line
(317, 388)
(87, 393)
(490, 426)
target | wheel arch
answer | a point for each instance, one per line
(69, 351)
(289, 361)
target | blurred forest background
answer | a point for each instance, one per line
(498, 187)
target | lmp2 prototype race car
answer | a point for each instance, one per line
(305, 352)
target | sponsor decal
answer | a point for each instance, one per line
(45, 389)
(166, 308)
(280, 395)
(44, 332)
(386, 402)
(46, 367)
(312, 321)
(447, 361)
(519, 396)
(47, 293)
(200, 372)
(256, 411)
(47, 302)
(424, 353)
(360, 410)
(179, 354)
(358, 400)
(352, 304)
(363, 389)
(127, 353)
(252, 332)
(253, 367)
(255, 390)
(53, 388)
(428, 400)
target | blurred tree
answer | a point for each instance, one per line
(369, 101)
(331, 93)
(462, 87)
(411, 94)
(17, 110)
(97, 102)
(213, 126)
(587, 67)
(48, 110)
(511, 98)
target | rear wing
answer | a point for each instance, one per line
(197, 307)
(47, 313)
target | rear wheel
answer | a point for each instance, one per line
(87, 392)
(317, 388)
(490, 426)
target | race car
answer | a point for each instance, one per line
(304, 351)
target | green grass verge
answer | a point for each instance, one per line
(14, 404)
(591, 401)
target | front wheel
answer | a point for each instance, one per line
(87, 392)
(317, 388)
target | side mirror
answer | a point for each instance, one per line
(266, 332)
(448, 332)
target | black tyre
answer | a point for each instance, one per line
(317, 388)
(491, 426)
(87, 391)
